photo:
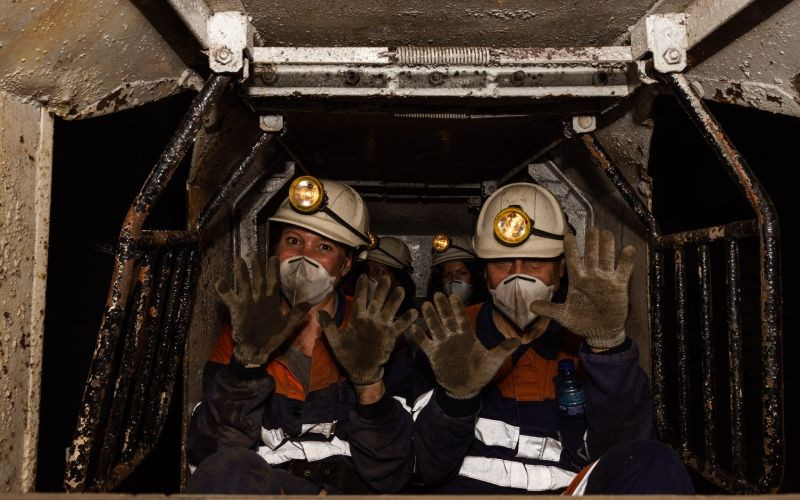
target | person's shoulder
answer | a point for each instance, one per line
(473, 310)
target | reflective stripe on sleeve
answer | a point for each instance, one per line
(324, 428)
(511, 474)
(272, 437)
(420, 403)
(498, 433)
(304, 450)
(540, 448)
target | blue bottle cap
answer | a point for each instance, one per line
(566, 365)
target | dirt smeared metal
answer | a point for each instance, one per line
(81, 58)
(602, 160)
(26, 149)
(81, 473)
(772, 458)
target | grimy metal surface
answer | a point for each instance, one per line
(78, 476)
(227, 188)
(770, 276)
(736, 385)
(602, 160)
(681, 340)
(513, 23)
(765, 227)
(26, 151)
(83, 58)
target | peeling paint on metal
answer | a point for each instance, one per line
(759, 68)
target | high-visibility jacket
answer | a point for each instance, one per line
(322, 434)
(511, 438)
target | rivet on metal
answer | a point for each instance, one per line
(672, 56)
(223, 55)
(269, 76)
(351, 77)
(436, 78)
(600, 79)
(271, 123)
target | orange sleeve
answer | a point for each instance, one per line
(223, 349)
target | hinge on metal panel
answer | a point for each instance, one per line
(230, 41)
(664, 36)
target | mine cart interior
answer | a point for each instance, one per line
(145, 144)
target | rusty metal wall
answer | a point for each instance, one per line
(228, 130)
(26, 150)
(629, 141)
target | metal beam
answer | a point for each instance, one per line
(668, 35)
(195, 15)
(440, 72)
(26, 154)
(703, 17)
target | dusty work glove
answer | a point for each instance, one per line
(461, 364)
(259, 324)
(597, 300)
(364, 346)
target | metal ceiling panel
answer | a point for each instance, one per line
(496, 23)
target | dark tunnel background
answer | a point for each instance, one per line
(100, 163)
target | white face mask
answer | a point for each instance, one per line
(460, 289)
(305, 280)
(514, 296)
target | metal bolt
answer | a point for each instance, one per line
(600, 79)
(351, 77)
(269, 76)
(271, 123)
(223, 55)
(436, 78)
(584, 123)
(518, 78)
(672, 56)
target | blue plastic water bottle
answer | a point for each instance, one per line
(569, 391)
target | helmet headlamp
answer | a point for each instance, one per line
(440, 243)
(512, 225)
(306, 194)
(373, 240)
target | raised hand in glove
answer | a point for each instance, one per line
(461, 364)
(597, 300)
(364, 346)
(259, 324)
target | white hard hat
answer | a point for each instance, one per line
(329, 208)
(393, 252)
(455, 247)
(520, 220)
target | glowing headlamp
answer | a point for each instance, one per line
(373, 240)
(440, 243)
(512, 225)
(306, 194)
